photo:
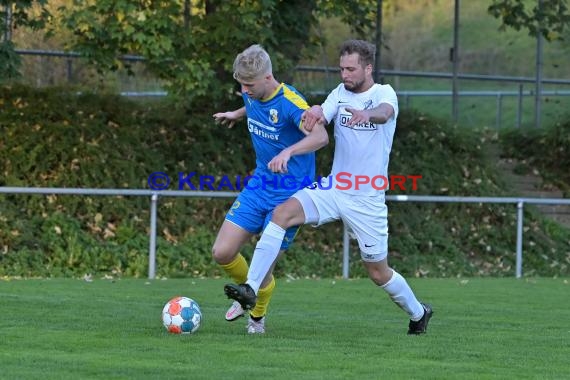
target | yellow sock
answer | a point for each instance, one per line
(263, 298)
(237, 269)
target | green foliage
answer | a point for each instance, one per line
(21, 15)
(105, 30)
(191, 51)
(18, 14)
(9, 62)
(178, 47)
(550, 19)
(56, 138)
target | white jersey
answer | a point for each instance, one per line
(361, 151)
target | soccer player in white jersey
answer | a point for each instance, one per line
(364, 115)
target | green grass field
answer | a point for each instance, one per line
(317, 329)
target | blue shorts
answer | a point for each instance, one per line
(252, 211)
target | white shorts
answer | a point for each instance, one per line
(366, 217)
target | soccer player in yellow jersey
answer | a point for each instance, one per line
(285, 163)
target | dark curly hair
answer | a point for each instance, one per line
(365, 50)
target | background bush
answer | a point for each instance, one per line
(56, 138)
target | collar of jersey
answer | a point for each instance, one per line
(273, 93)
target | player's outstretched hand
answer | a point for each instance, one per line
(224, 118)
(311, 117)
(358, 116)
(279, 163)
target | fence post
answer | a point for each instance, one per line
(499, 110)
(455, 60)
(520, 216)
(7, 34)
(152, 245)
(345, 253)
(539, 67)
(519, 107)
(69, 70)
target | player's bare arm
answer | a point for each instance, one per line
(376, 115)
(311, 117)
(229, 117)
(314, 140)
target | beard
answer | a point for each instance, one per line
(354, 86)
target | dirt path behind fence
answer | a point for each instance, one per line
(531, 186)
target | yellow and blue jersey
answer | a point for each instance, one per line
(274, 124)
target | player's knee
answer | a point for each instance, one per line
(220, 255)
(215, 254)
(379, 274)
(286, 215)
(385, 277)
(378, 279)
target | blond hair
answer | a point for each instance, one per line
(252, 63)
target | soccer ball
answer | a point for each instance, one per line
(181, 315)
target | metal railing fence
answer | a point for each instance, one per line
(322, 69)
(154, 196)
(407, 95)
(442, 75)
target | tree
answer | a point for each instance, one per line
(548, 17)
(191, 44)
(15, 14)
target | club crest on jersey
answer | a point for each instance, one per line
(273, 116)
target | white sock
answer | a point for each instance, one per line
(265, 253)
(403, 296)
